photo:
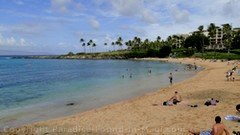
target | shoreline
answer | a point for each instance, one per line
(135, 112)
(17, 117)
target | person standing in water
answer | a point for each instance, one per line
(170, 78)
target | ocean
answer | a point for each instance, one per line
(32, 90)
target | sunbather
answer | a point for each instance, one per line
(176, 98)
(217, 129)
(211, 102)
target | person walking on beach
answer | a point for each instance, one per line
(170, 78)
(195, 66)
(217, 129)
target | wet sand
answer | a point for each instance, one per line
(146, 115)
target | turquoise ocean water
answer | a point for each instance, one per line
(38, 89)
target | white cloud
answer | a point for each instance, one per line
(139, 31)
(179, 15)
(29, 29)
(148, 16)
(64, 6)
(22, 42)
(130, 8)
(61, 5)
(231, 8)
(18, 2)
(94, 23)
(11, 41)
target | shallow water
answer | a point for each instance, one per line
(38, 89)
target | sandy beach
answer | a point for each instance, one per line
(146, 115)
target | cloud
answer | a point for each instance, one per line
(11, 41)
(29, 29)
(179, 15)
(231, 8)
(94, 23)
(148, 16)
(130, 8)
(64, 6)
(18, 2)
(61, 5)
(139, 31)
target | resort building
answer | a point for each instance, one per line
(216, 42)
(179, 39)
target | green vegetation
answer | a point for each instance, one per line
(218, 55)
(194, 45)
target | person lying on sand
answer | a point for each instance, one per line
(217, 129)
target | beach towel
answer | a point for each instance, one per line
(208, 132)
(232, 118)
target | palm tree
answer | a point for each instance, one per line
(200, 30)
(119, 42)
(181, 40)
(94, 46)
(169, 42)
(113, 44)
(212, 32)
(81, 40)
(158, 38)
(129, 44)
(106, 46)
(227, 36)
(83, 45)
(175, 39)
(89, 44)
(145, 44)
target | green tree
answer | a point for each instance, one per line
(212, 32)
(200, 31)
(227, 36)
(119, 42)
(175, 41)
(70, 54)
(158, 38)
(195, 41)
(236, 40)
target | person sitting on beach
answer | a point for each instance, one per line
(217, 129)
(229, 75)
(176, 98)
(211, 102)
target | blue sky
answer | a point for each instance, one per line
(55, 26)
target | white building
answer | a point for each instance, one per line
(216, 42)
